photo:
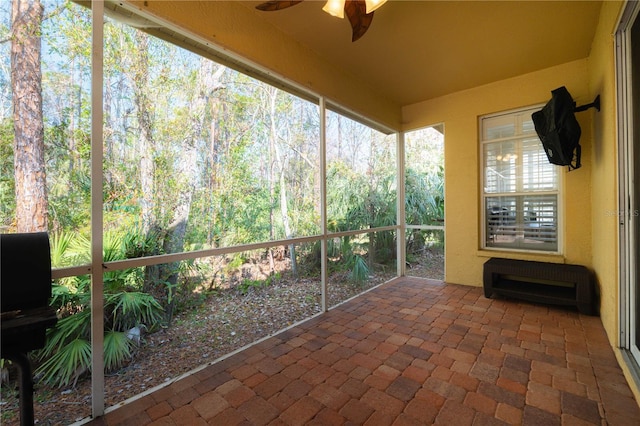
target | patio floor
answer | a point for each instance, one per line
(410, 352)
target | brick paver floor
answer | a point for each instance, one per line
(410, 352)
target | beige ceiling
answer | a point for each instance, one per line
(418, 50)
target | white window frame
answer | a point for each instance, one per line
(484, 195)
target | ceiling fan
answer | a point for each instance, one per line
(359, 12)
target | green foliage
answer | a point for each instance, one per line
(69, 248)
(67, 363)
(424, 200)
(243, 145)
(256, 178)
(237, 261)
(130, 309)
(60, 246)
(247, 284)
(359, 269)
(385, 246)
(66, 354)
(70, 294)
(118, 348)
(310, 259)
(138, 244)
(345, 195)
(68, 329)
(7, 187)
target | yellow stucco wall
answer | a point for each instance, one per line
(602, 80)
(605, 201)
(460, 112)
(590, 194)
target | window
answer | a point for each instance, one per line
(520, 186)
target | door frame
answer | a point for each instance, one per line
(627, 213)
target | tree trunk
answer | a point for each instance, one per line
(187, 173)
(284, 211)
(213, 176)
(145, 138)
(28, 148)
(150, 226)
(279, 161)
(371, 207)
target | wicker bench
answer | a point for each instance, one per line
(550, 283)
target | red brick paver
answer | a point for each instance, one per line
(410, 352)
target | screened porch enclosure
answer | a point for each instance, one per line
(194, 199)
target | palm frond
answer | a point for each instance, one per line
(359, 270)
(67, 364)
(80, 249)
(63, 296)
(117, 349)
(113, 246)
(60, 243)
(129, 309)
(67, 329)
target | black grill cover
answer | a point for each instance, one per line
(558, 129)
(25, 271)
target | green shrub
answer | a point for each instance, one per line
(359, 269)
(67, 352)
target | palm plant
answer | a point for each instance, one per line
(67, 353)
(359, 269)
(424, 203)
(424, 197)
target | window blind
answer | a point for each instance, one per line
(520, 186)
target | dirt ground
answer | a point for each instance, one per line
(224, 322)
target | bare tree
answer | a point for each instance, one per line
(208, 82)
(279, 162)
(28, 148)
(145, 137)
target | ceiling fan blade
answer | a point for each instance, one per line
(271, 5)
(360, 20)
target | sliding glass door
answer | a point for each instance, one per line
(628, 65)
